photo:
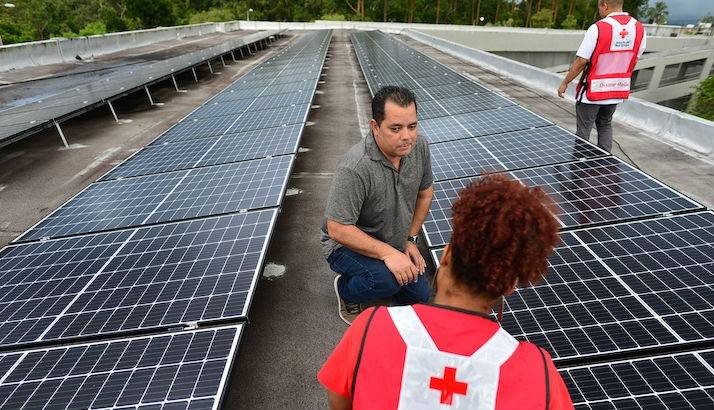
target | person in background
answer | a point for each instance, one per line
(451, 352)
(606, 57)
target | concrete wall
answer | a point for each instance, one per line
(540, 59)
(544, 40)
(692, 134)
(16, 56)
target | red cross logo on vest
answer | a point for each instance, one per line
(448, 385)
(624, 33)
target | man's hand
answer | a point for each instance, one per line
(401, 267)
(412, 251)
(561, 90)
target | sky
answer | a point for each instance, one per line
(687, 11)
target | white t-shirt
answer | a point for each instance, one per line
(587, 47)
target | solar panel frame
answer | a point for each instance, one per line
(157, 277)
(167, 197)
(165, 368)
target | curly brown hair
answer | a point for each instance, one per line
(503, 232)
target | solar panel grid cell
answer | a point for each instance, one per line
(185, 370)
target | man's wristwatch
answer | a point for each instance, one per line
(413, 239)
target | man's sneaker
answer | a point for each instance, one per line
(347, 311)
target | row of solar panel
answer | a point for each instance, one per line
(22, 117)
(175, 235)
(622, 287)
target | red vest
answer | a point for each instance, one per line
(470, 363)
(614, 59)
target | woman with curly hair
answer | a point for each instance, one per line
(451, 353)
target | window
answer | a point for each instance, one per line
(641, 79)
(681, 72)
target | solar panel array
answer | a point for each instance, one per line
(28, 115)
(115, 299)
(629, 292)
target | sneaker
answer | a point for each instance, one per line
(347, 311)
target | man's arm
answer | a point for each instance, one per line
(575, 70)
(423, 203)
(355, 239)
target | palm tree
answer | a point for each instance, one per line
(657, 14)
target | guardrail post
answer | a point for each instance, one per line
(114, 113)
(195, 77)
(61, 134)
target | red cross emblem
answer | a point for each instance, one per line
(448, 385)
(624, 33)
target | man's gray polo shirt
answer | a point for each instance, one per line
(368, 192)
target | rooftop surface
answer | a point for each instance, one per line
(294, 323)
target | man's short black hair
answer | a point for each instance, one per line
(401, 96)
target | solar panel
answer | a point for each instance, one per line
(679, 381)
(217, 109)
(451, 90)
(603, 190)
(240, 93)
(278, 117)
(243, 122)
(460, 158)
(176, 371)
(581, 309)
(192, 128)
(138, 279)
(500, 120)
(621, 287)
(668, 263)
(442, 129)
(474, 102)
(510, 151)
(586, 192)
(169, 196)
(210, 151)
(539, 146)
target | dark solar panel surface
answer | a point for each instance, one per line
(210, 151)
(144, 278)
(168, 197)
(509, 151)
(178, 371)
(601, 190)
(604, 292)
(680, 381)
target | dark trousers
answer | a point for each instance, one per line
(601, 116)
(365, 280)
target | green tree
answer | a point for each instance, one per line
(152, 13)
(212, 15)
(702, 102)
(570, 22)
(657, 14)
(91, 29)
(542, 19)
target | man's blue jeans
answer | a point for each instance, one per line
(365, 279)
